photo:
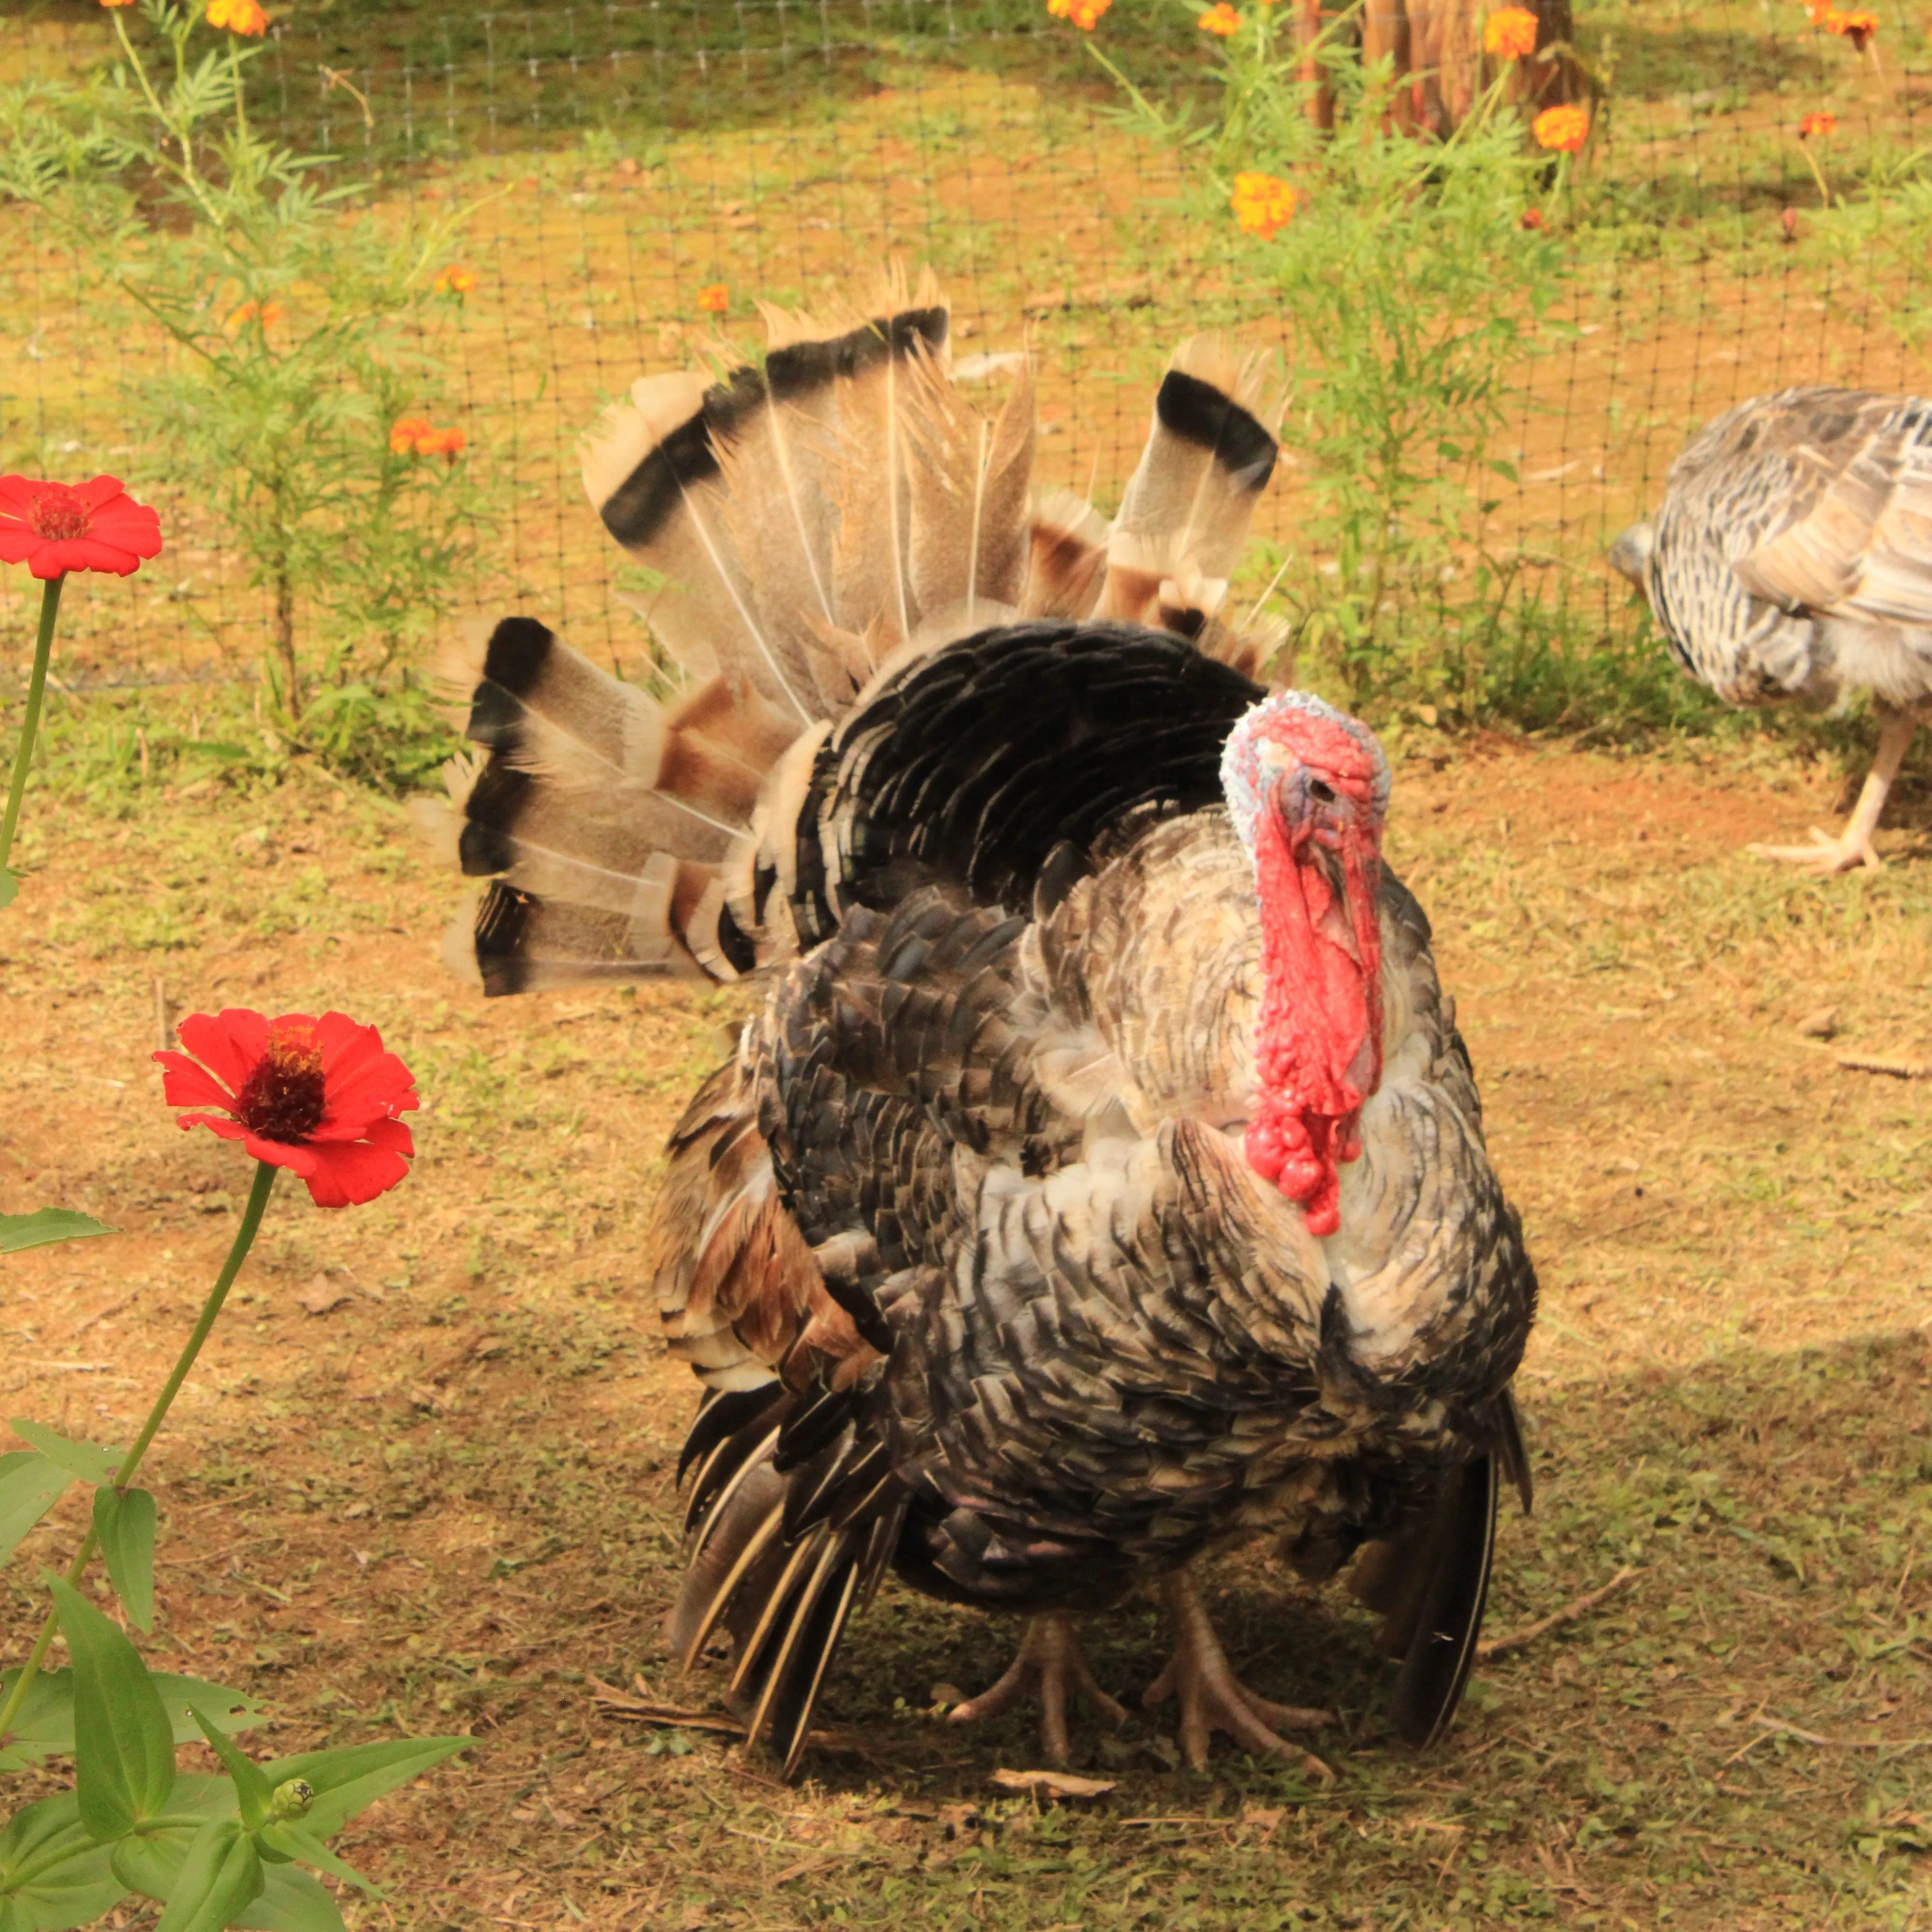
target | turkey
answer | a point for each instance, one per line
(1101, 1181)
(1792, 558)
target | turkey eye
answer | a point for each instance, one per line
(1318, 789)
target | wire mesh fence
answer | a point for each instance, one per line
(620, 160)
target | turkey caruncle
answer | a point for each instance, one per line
(1102, 1178)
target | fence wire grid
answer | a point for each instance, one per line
(627, 156)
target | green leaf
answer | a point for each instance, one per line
(47, 1224)
(91, 1464)
(292, 1901)
(44, 1726)
(53, 1875)
(255, 1796)
(346, 1780)
(30, 1486)
(219, 1879)
(298, 1842)
(125, 1520)
(124, 1744)
(9, 886)
(149, 1861)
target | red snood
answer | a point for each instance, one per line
(1319, 1005)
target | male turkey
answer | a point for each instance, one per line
(1101, 1180)
(1792, 558)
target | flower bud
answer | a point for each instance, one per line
(292, 1798)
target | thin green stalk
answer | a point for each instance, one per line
(37, 688)
(238, 1252)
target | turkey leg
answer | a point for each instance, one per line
(1853, 846)
(1213, 1698)
(1049, 1662)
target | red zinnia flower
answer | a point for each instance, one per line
(318, 1096)
(1532, 218)
(53, 527)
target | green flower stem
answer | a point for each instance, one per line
(244, 1239)
(36, 689)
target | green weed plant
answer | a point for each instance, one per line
(297, 332)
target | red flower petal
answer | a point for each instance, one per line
(298, 1156)
(100, 491)
(229, 1130)
(230, 1043)
(185, 1084)
(356, 1172)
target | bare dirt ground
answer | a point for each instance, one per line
(422, 1477)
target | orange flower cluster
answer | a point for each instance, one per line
(455, 280)
(264, 312)
(1220, 19)
(239, 16)
(117, 3)
(1564, 129)
(1857, 27)
(417, 435)
(1262, 203)
(714, 298)
(1532, 218)
(1510, 34)
(1817, 124)
(1085, 14)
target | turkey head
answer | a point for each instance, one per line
(1307, 788)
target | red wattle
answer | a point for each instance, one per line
(1318, 1006)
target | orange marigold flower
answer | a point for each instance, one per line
(117, 3)
(1510, 34)
(1532, 218)
(318, 1096)
(55, 527)
(1262, 203)
(239, 16)
(1085, 14)
(1220, 19)
(447, 443)
(264, 312)
(1564, 129)
(1857, 27)
(456, 279)
(714, 298)
(1817, 124)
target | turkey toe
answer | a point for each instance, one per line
(1048, 1663)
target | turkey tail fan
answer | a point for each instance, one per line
(1210, 452)
(774, 505)
(603, 818)
(781, 1557)
(1432, 1583)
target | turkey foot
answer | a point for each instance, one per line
(1825, 855)
(1049, 1662)
(1213, 1699)
(1853, 846)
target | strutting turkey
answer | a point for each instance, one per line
(1102, 1179)
(1792, 558)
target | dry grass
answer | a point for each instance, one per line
(449, 1502)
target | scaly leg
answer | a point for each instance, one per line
(1213, 1698)
(1853, 846)
(1050, 1662)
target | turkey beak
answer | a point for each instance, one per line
(1629, 557)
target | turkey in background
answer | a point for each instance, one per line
(1792, 558)
(1102, 1180)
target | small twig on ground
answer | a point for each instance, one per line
(1577, 1607)
(621, 1704)
(1899, 1069)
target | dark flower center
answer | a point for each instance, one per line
(286, 1096)
(59, 514)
